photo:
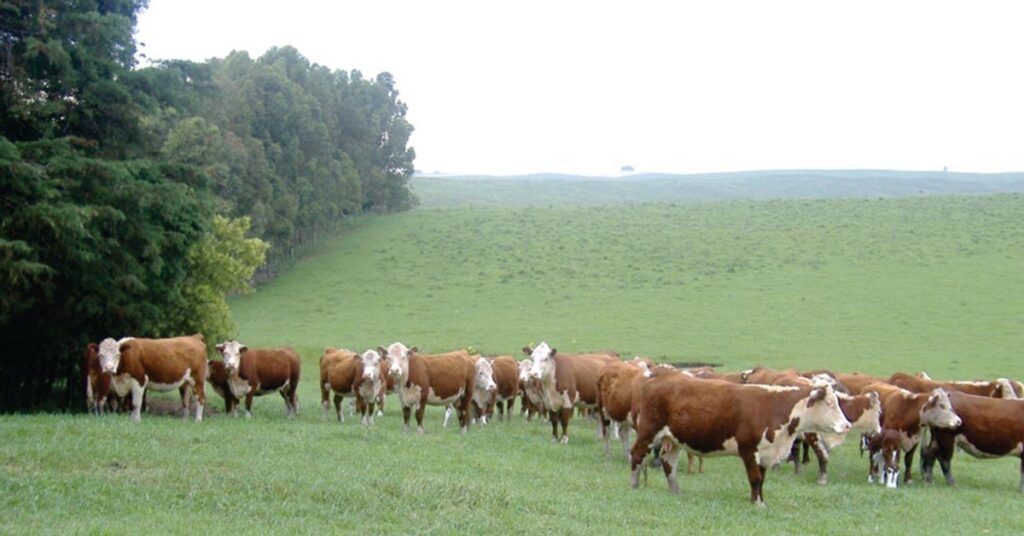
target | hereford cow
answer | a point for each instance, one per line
(907, 412)
(616, 387)
(885, 457)
(567, 381)
(506, 377)
(864, 412)
(484, 388)
(136, 365)
(438, 380)
(371, 385)
(990, 428)
(921, 383)
(217, 377)
(532, 403)
(339, 371)
(97, 382)
(258, 371)
(711, 417)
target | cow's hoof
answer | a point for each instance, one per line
(565, 440)
(823, 480)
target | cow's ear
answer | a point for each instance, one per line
(383, 352)
(220, 347)
(527, 350)
(817, 394)
(93, 348)
(873, 397)
(243, 349)
(413, 350)
(553, 352)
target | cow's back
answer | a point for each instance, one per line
(445, 374)
(578, 373)
(615, 385)
(338, 368)
(506, 376)
(273, 366)
(166, 360)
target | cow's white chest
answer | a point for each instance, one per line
(556, 400)
(410, 395)
(187, 377)
(122, 384)
(433, 399)
(368, 390)
(772, 452)
(238, 386)
(908, 441)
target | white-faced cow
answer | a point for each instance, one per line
(437, 380)
(484, 387)
(990, 428)
(97, 382)
(136, 365)
(533, 403)
(258, 371)
(711, 417)
(371, 386)
(567, 381)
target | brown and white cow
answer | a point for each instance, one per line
(258, 371)
(484, 388)
(97, 382)
(340, 369)
(136, 365)
(437, 380)
(506, 377)
(921, 383)
(533, 403)
(907, 412)
(567, 381)
(371, 385)
(711, 417)
(617, 386)
(885, 457)
(990, 428)
(864, 412)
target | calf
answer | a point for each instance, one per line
(506, 377)
(906, 413)
(711, 417)
(371, 385)
(258, 371)
(136, 365)
(339, 371)
(885, 457)
(438, 380)
(567, 381)
(990, 428)
(616, 387)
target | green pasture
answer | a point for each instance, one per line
(875, 285)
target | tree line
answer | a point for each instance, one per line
(133, 200)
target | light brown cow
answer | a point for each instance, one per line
(755, 422)
(907, 412)
(136, 365)
(1000, 388)
(258, 371)
(506, 377)
(990, 428)
(339, 371)
(567, 381)
(438, 380)
(617, 386)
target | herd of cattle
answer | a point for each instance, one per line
(761, 415)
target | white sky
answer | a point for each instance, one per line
(589, 86)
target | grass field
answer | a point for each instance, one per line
(876, 285)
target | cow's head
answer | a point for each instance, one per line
(938, 411)
(398, 358)
(371, 365)
(110, 355)
(524, 370)
(823, 413)
(232, 352)
(543, 357)
(1004, 389)
(484, 376)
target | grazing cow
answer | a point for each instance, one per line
(339, 371)
(258, 371)
(371, 385)
(617, 386)
(567, 381)
(136, 365)
(506, 377)
(864, 412)
(907, 412)
(438, 380)
(921, 383)
(533, 403)
(885, 457)
(990, 428)
(755, 422)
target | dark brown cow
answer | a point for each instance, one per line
(506, 377)
(567, 381)
(906, 412)
(439, 380)
(217, 377)
(885, 458)
(340, 369)
(258, 371)
(136, 365)
(617, 386)
(711, 417)
(1001, 388)
(991, 428)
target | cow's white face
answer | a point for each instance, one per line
(485, 376)
(823, 413)
(398, 359)
(543, 357)
(110, 355)
(232, 352)
(524, 370)
(938, 411)
(371, 365)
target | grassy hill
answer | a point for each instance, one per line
(876, 285)
(559, 190)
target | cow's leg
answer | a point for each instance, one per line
(755, 475)
(185, 391)
(1021, 488)
(794, 454)
(602, 428)
(447, 415)
(419, 414)
(644, 436)
(624, 437)
(406, 411)
(248, 403)
(325, 395)
(945, 445)
(566, 417)
(553, 416)
(821, 454)
(892, 467)
(908, 460)
(287, 404)
(689, 462)
(670, 463)
(200, 393)
(138, 394)
(337, 407)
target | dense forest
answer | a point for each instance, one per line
(135, 199)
